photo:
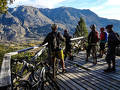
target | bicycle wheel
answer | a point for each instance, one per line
(55, 68)
(23, 85)
(36, 75)
(39, 74)
(40, 85)
(52, 82)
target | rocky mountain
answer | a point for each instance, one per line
(70, 16)
(26, 22)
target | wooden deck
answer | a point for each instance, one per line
(86, 76)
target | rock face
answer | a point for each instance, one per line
(25, 22)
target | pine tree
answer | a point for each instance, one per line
(81, 29)
(4, 5)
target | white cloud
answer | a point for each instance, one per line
(48, 3)
(37, 3)
(112, 13)
(107, 8)
(113, 2)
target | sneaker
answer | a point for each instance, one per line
(71, 58)
(94, 63)
(113, 69)
(86, 60)
(64, 71)
(107, 70)
(100, 56)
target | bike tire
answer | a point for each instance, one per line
(52, 82)
(23, 85)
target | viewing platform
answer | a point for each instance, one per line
(79, 75)
(87, 76)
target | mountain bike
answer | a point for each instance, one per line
(31, 80)
(37, 78)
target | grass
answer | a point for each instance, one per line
(12, 46)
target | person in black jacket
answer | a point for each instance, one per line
(93, 38)
(110, 57)
(53, 39)
(68, 45)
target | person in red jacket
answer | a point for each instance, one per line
(103, 40)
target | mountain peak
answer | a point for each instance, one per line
(26, 21)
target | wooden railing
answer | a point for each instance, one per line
(5, 74)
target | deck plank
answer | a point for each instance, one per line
(88, 76)
(91, 79)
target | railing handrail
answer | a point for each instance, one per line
(78, 38)
(5, 75)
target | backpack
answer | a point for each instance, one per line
(106, 37)
(93, 37)
(53, 40)
(117, 39)
(97, 37)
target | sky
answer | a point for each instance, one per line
(103, 8)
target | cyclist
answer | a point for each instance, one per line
(110, 57)
(92, 42)
(103, 40)
(53, 39)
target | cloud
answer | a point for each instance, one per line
(113, 2)
(109, 12)
(104, 8)
(37, 3)
(109, 9)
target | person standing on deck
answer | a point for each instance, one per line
(68, 45)
(103, 40)
(110, 57)
(93, 38)
(53, 39)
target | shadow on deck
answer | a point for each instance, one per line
(82, 76)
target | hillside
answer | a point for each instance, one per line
(26, 22)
